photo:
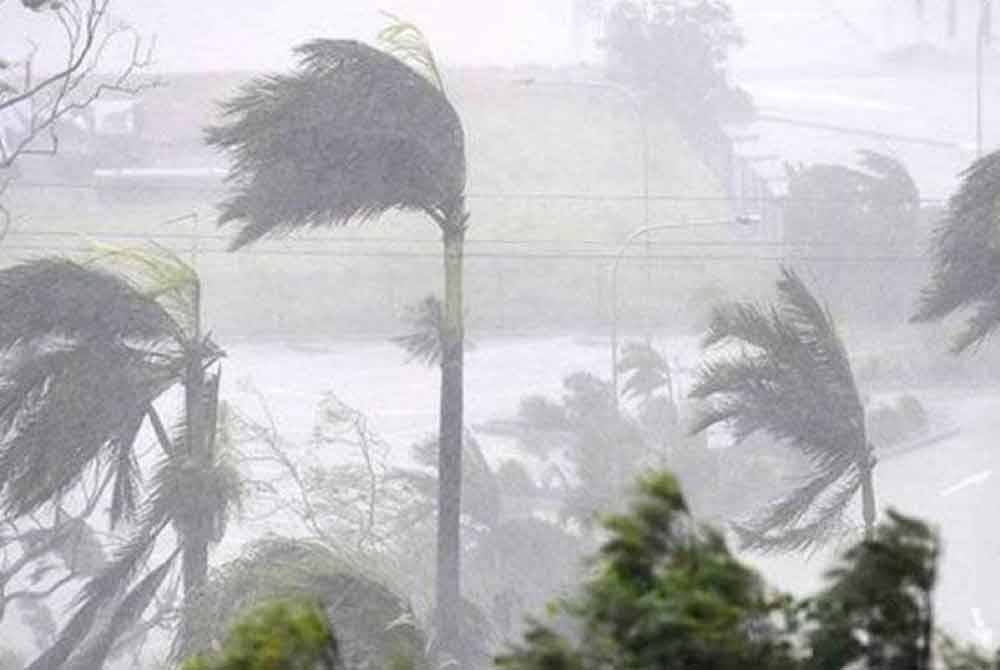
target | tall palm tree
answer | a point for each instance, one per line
(86, 355)
(353, 133)
(966, 249)
(783, 369)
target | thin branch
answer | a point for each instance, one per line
(68, 90)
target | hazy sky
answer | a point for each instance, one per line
(258, 34)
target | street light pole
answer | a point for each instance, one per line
(633, 236)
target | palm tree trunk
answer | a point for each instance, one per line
(194, 535)
(448, 593)
(868, 510)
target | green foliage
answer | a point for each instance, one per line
(791, 380)
(665, 593)
(281, 635)
(373, 624)
(878, 606)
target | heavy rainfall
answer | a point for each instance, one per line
(554, 335)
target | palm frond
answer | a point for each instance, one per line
(789, 377)
(62, 409)
(354, 132)
(70, 637)
(646, 371)
(161, 275)
(59, 298)
(406, 41)
(805, 517)
(125, 615)
(966, 251)
(424, 343)
(127, 476)
(98, 593)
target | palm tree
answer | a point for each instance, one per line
(353, 133)
(87, 354)
(783, 369)
(967, 257)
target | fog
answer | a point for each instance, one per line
(255, 303)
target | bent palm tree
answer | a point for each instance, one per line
(87, 353)
(966, 248)
(791, 378)
(353, 133)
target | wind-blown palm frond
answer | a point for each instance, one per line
(161, 275)
(424, 343)
(85, 353)
(406, 41)
(60, 298)
(646, 370)
(126, 614)
(791, 379)
(62, 409)
(100, 591)
(966, 249)
(353, 133)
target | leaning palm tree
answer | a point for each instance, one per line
(86, 355)
(351, 134)
(783, 370)
(967, 257)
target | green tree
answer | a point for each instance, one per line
(280, 635)
(665, 592)
(88, 353)
(353, 133)
(783, 370)
(878, 606)
(966, 250)
(374, 625)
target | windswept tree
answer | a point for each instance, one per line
(353, 133)
(86, 355)
(966, 249)
(783, 370)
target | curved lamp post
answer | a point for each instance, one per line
(632, 237)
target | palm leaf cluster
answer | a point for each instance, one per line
(87, 350)
(783, 370)
(84, 355)
(646, 371)
(351, 134)
(966, 249)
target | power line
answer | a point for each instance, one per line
(572, 255)
(608, 244)
(512, 195)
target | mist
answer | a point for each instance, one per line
(389, 305)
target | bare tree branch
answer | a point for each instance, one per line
(40, 104)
